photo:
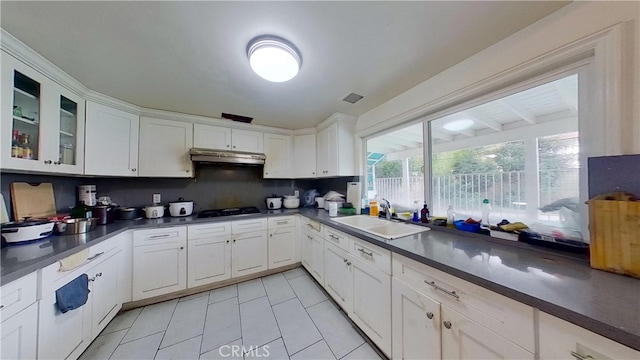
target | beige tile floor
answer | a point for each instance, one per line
(281, 316)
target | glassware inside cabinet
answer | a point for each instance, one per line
(68, 126)
(26, 117)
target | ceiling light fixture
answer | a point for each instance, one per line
(458, 125)
(273, 58)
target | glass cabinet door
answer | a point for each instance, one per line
(68, 128)
(25, 128)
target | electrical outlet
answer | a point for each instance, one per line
(296, 193)
(157, 198)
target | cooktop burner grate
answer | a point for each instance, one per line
(228, 212)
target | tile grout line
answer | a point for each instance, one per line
(165, 330)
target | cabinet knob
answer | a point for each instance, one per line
(430, 315)
(447, 324)
(227, 145)
(234, 240)
(57, 163)
(187, 170)
(313, 173)
(234, 146)
(1, 307)
(134, 169)
(270, 235)
(227, 241)
(99, 274)
(181, 247)
(348, 263)
(47, 162)
(345, 260)
(266, 173)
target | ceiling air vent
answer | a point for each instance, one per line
(238, 118)
(352, 98)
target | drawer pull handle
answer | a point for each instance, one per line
(284, 222)
(95, 256)
(447, 324)
(430, 315)
(99, 274)
(366, 253)
(334, 237)
(1, 307)
(580, 357)
(345, 260)
(348, 263)
(451, 293)
(159, 236)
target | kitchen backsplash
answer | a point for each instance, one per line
(214, 187)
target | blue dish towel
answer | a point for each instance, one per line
(73, 295)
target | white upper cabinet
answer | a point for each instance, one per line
(42, 122)
(223, 138)
(335, 147)
(304, 156)
(112, 141)
(211, 137)
(277, 148)
(164, 148)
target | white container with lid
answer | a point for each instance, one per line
(87, 194)
(333, 208)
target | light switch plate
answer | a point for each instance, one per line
(157, 198)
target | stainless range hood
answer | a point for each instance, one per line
(226, 157)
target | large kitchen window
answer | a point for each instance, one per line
(520, 150)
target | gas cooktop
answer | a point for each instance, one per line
(228, 212)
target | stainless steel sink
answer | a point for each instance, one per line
(384, 228)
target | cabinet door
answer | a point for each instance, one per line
(318, 259)
(111, 141)
(415, 321)
(159, 269)
(282, 247)
(277, 148)
(249, 253)
(211, 137)
(125, 270)
(304, 156)
(322, 155)
(62, 336)
(68, 144)
(209, 260)
(463, 338)
(307, 251)
(332, 150)
(164, 148)
(249, 141)
(560, 339)
(338, 277)
(372, 303)
(104, 292)
(19, 334)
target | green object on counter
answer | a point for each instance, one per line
(347, 211)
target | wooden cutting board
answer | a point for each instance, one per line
(34, 201)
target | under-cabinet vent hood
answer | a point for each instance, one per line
(226, 157)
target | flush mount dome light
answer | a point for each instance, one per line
(273, 58)
(458, 125)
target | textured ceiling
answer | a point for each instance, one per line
(190, 56)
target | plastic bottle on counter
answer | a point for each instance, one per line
(486, 210)
(416, 211)
(333, 208)
(373, 208)
(424, 214)
(450, 216)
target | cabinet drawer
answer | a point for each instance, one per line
(336, 237)
(282, 221)
(371, 254)
(53, 278)
(208, 230)
(559, 339)
(243, 226)
(159, 236)
(17, 295)
(509, 318)
(103, 247)
(312, 226)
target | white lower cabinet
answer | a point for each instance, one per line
(159, 262)
(372, 303)
(560, 339)
(338, 276)
(415, 324)
(125, 268)
(282, 242)
(463, 338)
(104, 293)
(313, 255)
(209, 254)
(19, 334)
(249, 253)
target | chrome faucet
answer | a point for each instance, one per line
(387, 205)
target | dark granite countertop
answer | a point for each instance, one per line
(563, 286)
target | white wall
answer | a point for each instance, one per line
(567, 25)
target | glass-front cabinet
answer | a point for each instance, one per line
(42, 122)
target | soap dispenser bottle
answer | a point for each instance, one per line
(424, 214)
